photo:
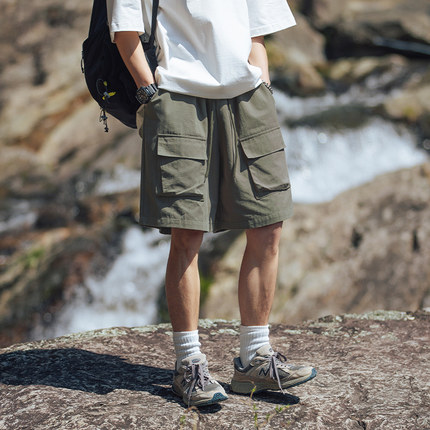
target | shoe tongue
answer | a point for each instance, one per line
(194, 359)
(265, 350)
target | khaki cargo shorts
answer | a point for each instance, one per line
(211, 164)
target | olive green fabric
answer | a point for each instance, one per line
(211, 164)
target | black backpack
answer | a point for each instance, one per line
(106, 75)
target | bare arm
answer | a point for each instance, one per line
(132, 53)
(258, 57)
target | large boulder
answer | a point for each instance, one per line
(354, 27)
(367, 249)
(356, 70)
(44, 265)
(40, 71)
(49, 123)
(371, 375)
(294, 55)
(411, 103)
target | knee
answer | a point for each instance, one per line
(265, 240)
(188, 241)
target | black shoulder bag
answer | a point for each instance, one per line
(106, 75)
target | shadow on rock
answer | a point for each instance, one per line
(274, 397)
(77, 369)
(268, 396)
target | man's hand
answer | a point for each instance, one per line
(258, 57)
(132, 53)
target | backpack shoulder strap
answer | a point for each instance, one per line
(154, 21)
(98, 16)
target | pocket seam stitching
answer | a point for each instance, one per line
(181, 136)
(244, 139)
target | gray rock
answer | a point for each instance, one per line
(367, 249)
(411, 103)
(49, 123)
(371, 375)
(47, 264)
(357, 27)
(294, 55)
(353, 70)
(37, 280)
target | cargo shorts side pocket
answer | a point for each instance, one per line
(266, 162)
(140, 113)
(182, 166)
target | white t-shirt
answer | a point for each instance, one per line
(204, 45)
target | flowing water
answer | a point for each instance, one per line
(126, 296)
(323, 161)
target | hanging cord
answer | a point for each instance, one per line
(102, 89)
(103, 118)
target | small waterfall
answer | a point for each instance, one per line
(323, 163)
(126, 296)
(325, 159)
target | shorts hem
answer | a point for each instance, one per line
(164, 225)
(254, 222)
(167, 224)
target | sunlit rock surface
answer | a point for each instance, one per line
(371, 375)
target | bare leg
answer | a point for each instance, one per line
(257, 280)
(256, 291)
(182, 279)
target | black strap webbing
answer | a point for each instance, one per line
(154, 21)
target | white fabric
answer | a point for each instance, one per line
(204, 45)
(251, 339)
(186, 343)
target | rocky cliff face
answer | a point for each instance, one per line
(367, 249)
(56, 223)
(337, 43)
(371, 375)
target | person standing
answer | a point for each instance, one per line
(212, 159)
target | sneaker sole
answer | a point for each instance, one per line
(216, 398)
(247, 387)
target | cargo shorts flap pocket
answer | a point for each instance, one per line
(265, 158)
(182, 163)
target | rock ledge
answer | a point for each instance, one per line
(372, 374)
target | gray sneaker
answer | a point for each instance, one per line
(194, 384)
(268, 370)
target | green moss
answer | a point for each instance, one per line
(410, 113)
(33, 257)
(205, 284)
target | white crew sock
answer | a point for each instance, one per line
(252, 338)
(186, 343)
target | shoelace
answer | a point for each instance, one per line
(273, 367)
(198, 375)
